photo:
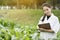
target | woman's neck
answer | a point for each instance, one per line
(49, 14)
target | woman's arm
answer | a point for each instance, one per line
(46, 30)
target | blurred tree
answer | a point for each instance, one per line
(52, 2)
(40, 2)
(11, 2)
(2, 2)
(58, 1)
(19, 3)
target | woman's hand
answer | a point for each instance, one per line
(46, 30)
(50, 31)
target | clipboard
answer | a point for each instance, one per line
(45, 26)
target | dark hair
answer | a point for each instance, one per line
(46, 4)
(43, 18)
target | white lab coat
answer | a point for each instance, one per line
(54, 23)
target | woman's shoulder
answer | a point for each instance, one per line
(54, 16)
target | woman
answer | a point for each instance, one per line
(50, 18)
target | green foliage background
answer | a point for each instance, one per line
(24, 27)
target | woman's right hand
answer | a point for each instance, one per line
(45, 30)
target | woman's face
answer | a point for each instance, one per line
(47, 10)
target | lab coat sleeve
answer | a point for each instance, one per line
(40, 21)
(55, 25)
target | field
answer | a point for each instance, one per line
(21, 24)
